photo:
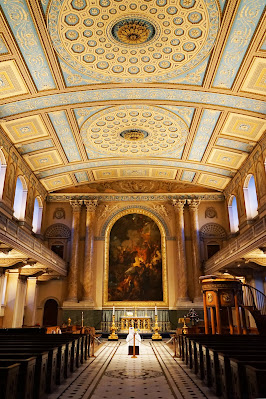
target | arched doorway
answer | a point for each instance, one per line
(50, 313)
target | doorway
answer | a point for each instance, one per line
(50, 313)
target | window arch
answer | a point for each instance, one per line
(250, 194)
(20, 198)
(37, 215)
(233, 214)
(2, 172)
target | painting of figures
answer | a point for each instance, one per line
(135, 260)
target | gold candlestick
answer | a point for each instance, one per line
(156, 336)
(113, 336)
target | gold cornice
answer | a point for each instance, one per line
(106, 265)
(45, 40)
(229, 14)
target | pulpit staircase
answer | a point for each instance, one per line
(255, 302)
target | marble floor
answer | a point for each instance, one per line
(113, 374)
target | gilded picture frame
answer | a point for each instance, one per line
(127, 304)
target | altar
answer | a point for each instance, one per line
(142, 323)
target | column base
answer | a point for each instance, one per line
(198, 300)
(184, 302)
(71, 303)
(87, 303)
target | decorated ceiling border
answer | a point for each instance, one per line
(129, 94)
(18, 17)
(135, 197)
(244, 26)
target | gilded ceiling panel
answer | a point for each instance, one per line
(244, 127)
(213, 181)
(11, 81)
(25, 129)
(227, 159)
(43, 160)
(57, 182)
(255, 81)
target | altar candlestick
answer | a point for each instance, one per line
(82, 319)
(113, 310)
(155, 310)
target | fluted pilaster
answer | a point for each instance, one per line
(91, 206)
(73, 269)
(193, 210)
(181, 252)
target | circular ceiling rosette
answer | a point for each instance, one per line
(151, 40)
(134, 130)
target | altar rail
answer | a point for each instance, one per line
(163, 326)
(163, 318)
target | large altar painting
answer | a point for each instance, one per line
(135, 260)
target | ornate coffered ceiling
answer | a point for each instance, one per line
(94, 92)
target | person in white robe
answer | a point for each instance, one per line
(130, 341)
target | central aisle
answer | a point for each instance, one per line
(114, 374)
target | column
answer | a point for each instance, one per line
(193, 210)
(31, 296)
(91, 206)
(15, 300)
(73, 268)
(181, 252)
(218, 315)
(205, 310)
(238, 321)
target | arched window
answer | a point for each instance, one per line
(2, 172)
(233, 214)
(20, 198)
(37, 215)
(250, 194)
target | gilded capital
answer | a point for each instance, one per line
(76, 205)
(91, 205)
(178, 204)
(193, 204)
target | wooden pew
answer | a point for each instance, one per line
(25, 386)
(51, 361)
(40, 369)
(9, 380)
(256, 380)
(239, 378)
(209, 357)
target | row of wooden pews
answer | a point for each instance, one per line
(233, 366)
(32, 362)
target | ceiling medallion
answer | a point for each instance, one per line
(133, 31)
(133, 134)
(151, 41)
(122, 130)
